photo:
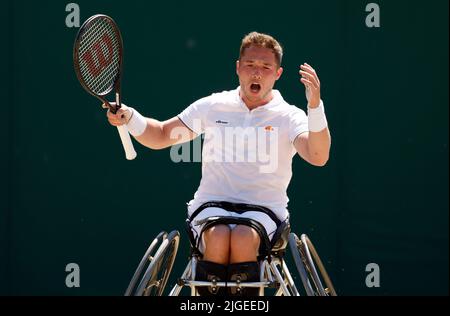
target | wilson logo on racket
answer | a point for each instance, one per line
(95, 57)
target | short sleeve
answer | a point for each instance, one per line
(194, 115)
(298, 123)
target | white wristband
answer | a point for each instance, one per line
(137, 123)
(317, 121)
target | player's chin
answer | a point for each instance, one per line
(261, 95)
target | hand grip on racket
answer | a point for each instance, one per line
(97, 57)
(130, 153)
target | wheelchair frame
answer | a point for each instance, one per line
(152, 274)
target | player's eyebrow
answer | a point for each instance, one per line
(265, 63)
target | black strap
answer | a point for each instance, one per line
(237, 208)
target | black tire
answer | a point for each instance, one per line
(295, 247)
(313, 259)
(145, 262)
(306, 258)
(157, 274)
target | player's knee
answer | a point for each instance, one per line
(219, 234)
(244, 237)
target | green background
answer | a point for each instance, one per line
(68, 194)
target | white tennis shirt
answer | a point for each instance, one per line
(247, 155)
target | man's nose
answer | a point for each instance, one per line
(256, 75)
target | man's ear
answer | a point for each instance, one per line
(279, 72)
(237, 67)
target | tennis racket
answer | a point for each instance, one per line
(97, 57)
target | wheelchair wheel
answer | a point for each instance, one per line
(305, 257)
(294, 246)
(145, 261)
(312, 254)
(157, 274)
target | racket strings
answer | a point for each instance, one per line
(93, 35)
(100, 81)
(99, 58)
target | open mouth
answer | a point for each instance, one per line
(255, 87)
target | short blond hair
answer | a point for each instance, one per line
(262, 40)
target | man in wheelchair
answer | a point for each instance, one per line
(251, 135)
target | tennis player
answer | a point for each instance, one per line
(251, 135)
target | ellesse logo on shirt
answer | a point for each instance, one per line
(222, 122)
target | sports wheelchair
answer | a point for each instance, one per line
(152, 273)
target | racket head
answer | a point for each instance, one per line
(98, 56)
